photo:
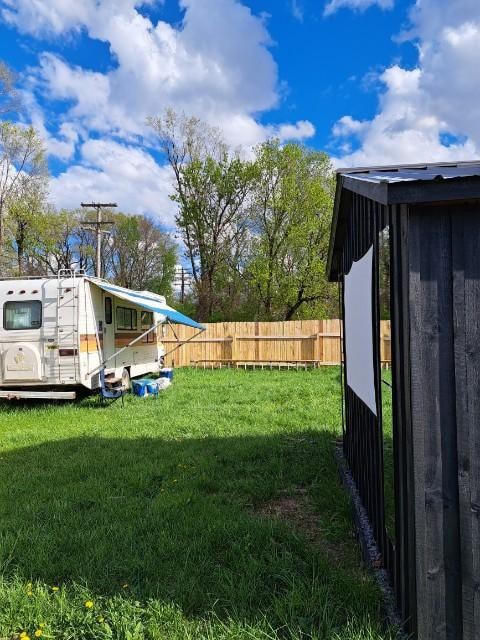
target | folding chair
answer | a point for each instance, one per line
(111, 391)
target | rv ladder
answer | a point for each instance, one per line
(67, 327)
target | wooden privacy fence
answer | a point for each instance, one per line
(296, 342)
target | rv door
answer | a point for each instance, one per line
(108, 329)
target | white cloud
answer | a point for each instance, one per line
(356, 5)
(347, 126)
(430, 17)
(431, 112)
(297, 10)
(63, 144)
(112, 172)
(44, 18)
(215, 65)
(299, 131)
(450, 64)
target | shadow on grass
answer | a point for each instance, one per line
(179, 520)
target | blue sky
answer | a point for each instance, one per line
(368, 81)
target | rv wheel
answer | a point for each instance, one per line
(126, 379)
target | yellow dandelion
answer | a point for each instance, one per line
(38, 633)
(24, 636)
(29, 594)
(89, 604)
(55, 588)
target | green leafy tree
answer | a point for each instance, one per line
(61, 242)
(23, 170)
(26, 224)
(291, 214)
(139, 255)
(212, 189)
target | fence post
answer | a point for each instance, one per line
(317, 344)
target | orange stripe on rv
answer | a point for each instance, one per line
(88, 343)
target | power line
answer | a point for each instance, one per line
(97, 225)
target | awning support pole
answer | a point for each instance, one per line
(104, 362)
(182, 343)
(173, 329)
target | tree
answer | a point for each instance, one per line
(61, 242)
(139, 255)
(136, 254)
(23, 168)
(26, 220)
(291, 214)
(9, 100)
(271, 216)
(211, 188)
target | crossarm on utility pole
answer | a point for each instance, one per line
(97, 225)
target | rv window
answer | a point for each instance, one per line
(126, 318)
(108, 311)
(147, 322)
(22, 315)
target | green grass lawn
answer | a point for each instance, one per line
(214, 512)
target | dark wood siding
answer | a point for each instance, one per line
(434, 564)
(434, 222)
(405, 567)
(434, 424)
(444, 294)
(466, 326)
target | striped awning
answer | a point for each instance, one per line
(146, 300)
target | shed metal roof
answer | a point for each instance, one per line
(400, 184)
(413, 183)
(408, 173)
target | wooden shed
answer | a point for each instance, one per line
(405, 246)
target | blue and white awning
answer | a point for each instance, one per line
(146, 300)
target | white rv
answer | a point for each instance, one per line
(58, 333)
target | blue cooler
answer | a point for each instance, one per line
(140, 387)
(167, 372)
(152, 388)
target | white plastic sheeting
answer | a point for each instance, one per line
(359, 330)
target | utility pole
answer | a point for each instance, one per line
(183, 286)
(182, 280)
(97, 225)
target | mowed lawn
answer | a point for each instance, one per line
(212, 512)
